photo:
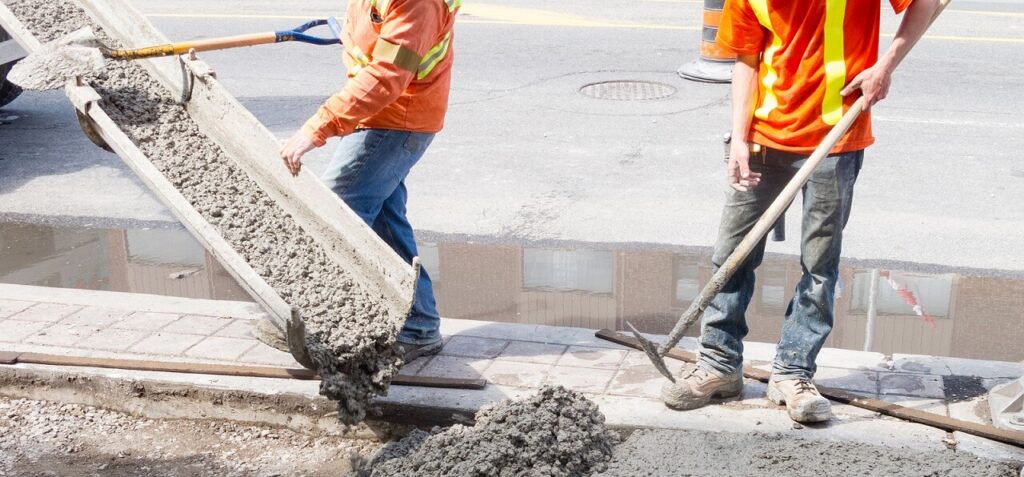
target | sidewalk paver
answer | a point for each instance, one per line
(455, 367)
(145, 321)
(263, 354)
(10, 307)
(61, 334)
(855, 380)
(238, 329)
(94, 316)
(168, 344)
(223, 349)
(511, 373)
(532, 352)
(48, 312)
(588, 357)
(920, 385)
(473, 347)
(113, 339)
(593, 381)
(13, 331)
(904, 363)
(197, 325)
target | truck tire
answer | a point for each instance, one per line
(8, 90)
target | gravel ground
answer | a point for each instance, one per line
(40, 438)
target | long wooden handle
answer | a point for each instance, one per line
(208, 44)
(764, 224)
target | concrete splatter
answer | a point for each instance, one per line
(52, 65)
(352, 337)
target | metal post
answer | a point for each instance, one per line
(869, 328)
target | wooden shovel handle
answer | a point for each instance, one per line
(209, 44)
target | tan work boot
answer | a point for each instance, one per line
(803, 401)
(696, 386)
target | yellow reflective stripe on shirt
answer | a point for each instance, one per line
(434, 56)
(358, 56)
(770, 100)
(835, 61)
(360, 59)
(397, 55)
(453, 5)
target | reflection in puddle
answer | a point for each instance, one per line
(595, 286)
(155, 261)
(578, 285)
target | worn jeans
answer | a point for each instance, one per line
(827, 198)
(368, 172)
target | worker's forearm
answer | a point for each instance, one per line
(363, 96)
(744, 93)
(916, 20)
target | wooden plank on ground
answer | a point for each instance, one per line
(9, 357)
(876, 405)
(220, 369)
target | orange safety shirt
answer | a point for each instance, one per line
(399, 57)
(810, 49)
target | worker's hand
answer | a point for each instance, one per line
(873, 84)
(740, 176)
(293, 149)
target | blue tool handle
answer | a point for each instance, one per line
(299, 33)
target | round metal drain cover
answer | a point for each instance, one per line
(628, 90)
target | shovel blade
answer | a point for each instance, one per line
(54, 64)
(297, 340)
(651, 348)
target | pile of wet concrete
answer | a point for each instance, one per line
(352, 337)
(557, 433)
(561, 433)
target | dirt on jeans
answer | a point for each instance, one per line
(711, 454)
(39, 438)
(351, 336)
(555, 433)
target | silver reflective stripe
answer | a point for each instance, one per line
(434, 56)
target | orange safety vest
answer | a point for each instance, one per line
(809, 50)
(399, 58)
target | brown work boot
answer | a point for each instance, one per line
(803, 401)
(696, 386)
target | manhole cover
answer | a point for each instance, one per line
(628, 90)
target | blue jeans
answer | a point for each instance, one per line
(827, 198)
(368, 172)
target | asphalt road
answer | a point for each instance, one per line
(526, 156)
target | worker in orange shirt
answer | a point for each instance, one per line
(399, 58)
(800, 65)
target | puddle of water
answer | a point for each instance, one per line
(596, 286)
(161, 261)
(566, 284)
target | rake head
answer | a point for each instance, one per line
(653, 353)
